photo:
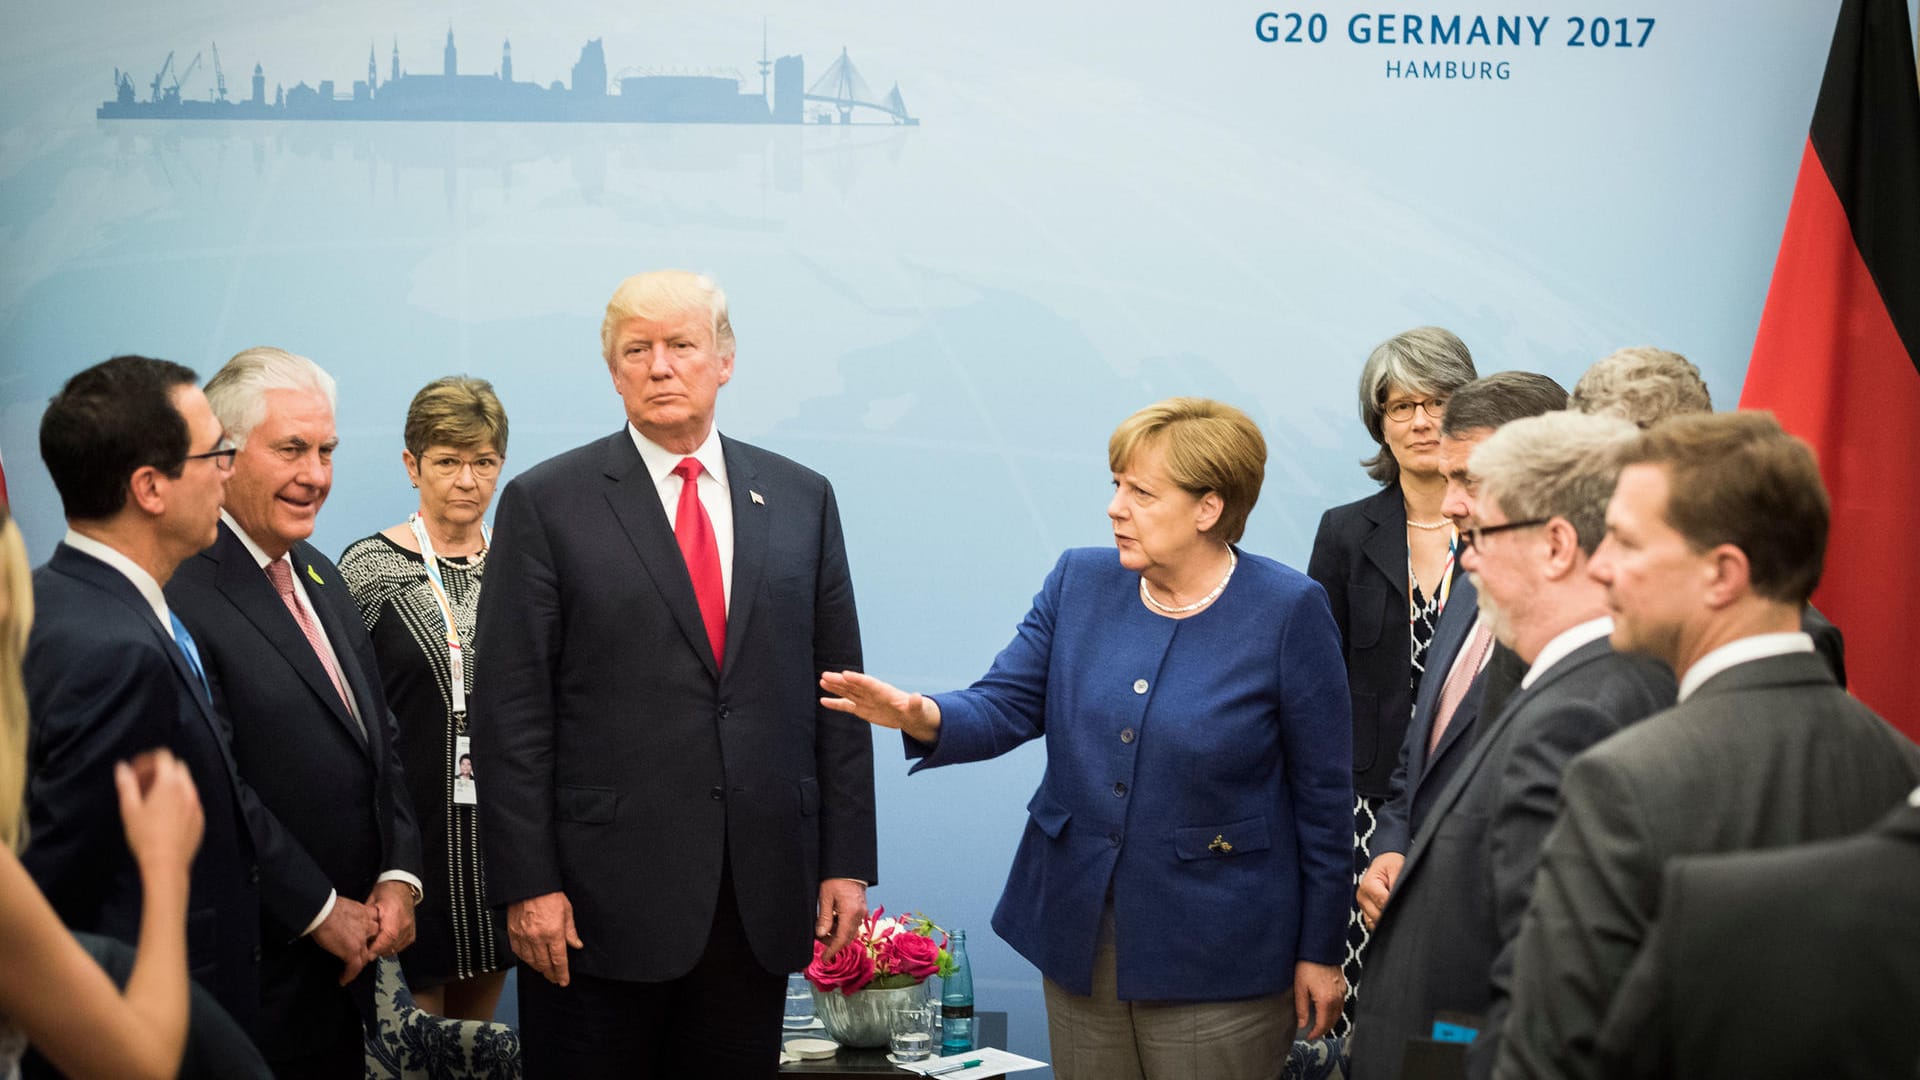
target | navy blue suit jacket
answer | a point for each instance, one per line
(338, 790)
(1198, 767)
(618, 762)
(105, 681)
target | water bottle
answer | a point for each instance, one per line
(956, 1000)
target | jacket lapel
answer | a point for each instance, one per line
(246, 587)
(1477, 754)
(751, 526)
(369, 698)
(1386, 546)
(636, 506)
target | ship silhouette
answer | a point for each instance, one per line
(839, 95)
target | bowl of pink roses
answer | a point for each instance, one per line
(885, 965)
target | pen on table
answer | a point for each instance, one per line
(955, 1067)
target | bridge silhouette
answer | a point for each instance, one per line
(842, 87)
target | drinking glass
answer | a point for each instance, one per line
(912, 1038)
(799, 1002)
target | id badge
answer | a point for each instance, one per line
(464, 792)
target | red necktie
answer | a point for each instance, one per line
(694, 530)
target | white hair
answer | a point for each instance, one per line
(238, 391)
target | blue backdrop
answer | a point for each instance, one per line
(1102, 205)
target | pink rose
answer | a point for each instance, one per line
(849, 970)
(910, 954)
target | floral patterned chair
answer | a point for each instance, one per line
(415, 1045)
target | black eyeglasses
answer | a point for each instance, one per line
(1402, 411)
(1471, 538)
(221, 455)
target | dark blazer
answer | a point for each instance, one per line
(1446, 936)
(1360, 558)
(1195, 774)
(338, 791)
(1767, 753)
(1419, 776)
(1827, 642)
(617, 764)
(1803, 961)
(105, 681)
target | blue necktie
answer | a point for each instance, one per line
(192, 651)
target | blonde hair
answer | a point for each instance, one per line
(1209, 446)
(660, 294)
(16, 593)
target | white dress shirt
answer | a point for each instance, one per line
(132, 571)
(1741, 651)
(306, 603)
(713, 491)
(1563, 645)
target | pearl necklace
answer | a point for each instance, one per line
(1441, 524)
(1147, 594)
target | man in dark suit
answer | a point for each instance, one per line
(1718, 988)
(665, 805)
(1444, 943)
(1715, 538)
(1646, 385)
(1463, 649)
(141, 465)
(293, 669)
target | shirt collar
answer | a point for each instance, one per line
(1563, 645)
(1741, 651)
(660, 461)
(132, 571)
(259, 554)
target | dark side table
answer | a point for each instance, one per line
(849, 1063)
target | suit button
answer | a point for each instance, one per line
(725, 712)
(256, 954)
(717, 794)
(1126, 735)
(1119, 789)
(1139, 686)
(1113, 839)
(253, 874)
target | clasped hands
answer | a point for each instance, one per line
(359, 932)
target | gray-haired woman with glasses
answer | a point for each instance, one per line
(1388, 564)
(418, 587)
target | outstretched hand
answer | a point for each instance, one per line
(881, 703)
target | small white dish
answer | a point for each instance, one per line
(811, 1049)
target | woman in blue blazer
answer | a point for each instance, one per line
(1184, 876)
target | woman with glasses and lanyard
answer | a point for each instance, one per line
(1388, 564)
(418, 587)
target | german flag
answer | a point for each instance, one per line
(1837, 358)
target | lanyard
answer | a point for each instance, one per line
(456, 664)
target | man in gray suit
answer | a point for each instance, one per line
(1444, 941)
(1712, 992)
(1715, 538)
(1463, 649)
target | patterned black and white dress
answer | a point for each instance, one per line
(458, 935)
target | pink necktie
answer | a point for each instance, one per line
(1472, 655)
(280, 572)
(694, 531)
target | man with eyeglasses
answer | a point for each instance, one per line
(1445, 945)
(1715, 537)
(141, 465)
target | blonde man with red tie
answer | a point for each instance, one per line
(671, 818)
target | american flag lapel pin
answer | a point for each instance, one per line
(756, 497)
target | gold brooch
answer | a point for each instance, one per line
(1219, 845)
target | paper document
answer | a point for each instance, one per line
(992, 1063)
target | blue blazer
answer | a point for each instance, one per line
(1199, 768)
